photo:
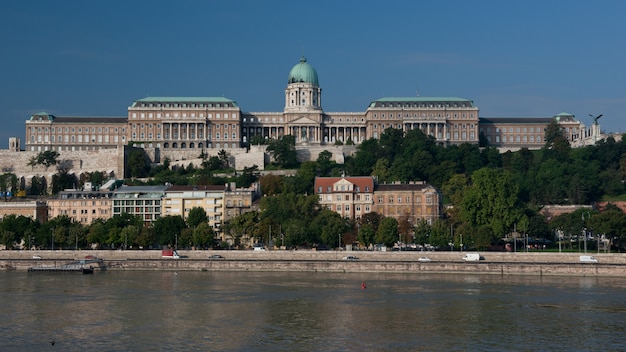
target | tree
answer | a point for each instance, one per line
(196, 216)
(381, 170)
(364, 159)
(63, 180)
(387, 233)
(138, 163)
(97, 233)
(271, 184)
(46, 158)
(283, 150)
(405, 228)
(248, 176)
(213, 163)
(324, 163)
(96, 178)
(204, 236)
(491, 199)
(223, 157)
(422, 232)
(243, 226)
(8, 181)
(168, 228)
(258, 140)
(331, 227)
(366, 234)
(129, 235)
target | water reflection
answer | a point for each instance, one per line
(246, 311)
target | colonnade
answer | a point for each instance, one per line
(183, 131)
(436, 129)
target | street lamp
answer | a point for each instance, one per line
(584, 230)
(339, 241)
(175, 241)
(52, 240)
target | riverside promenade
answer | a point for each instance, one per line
(500, 263)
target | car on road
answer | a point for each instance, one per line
(36, 257)
(472, 257)
(588, 259)
(216, 256)
(350, 257)
(424, 260)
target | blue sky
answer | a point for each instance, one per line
(513, 59)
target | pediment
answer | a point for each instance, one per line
(303, 120)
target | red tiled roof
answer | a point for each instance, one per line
(362, 182)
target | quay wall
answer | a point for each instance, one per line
(567, 264)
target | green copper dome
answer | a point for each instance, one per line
(303, 73)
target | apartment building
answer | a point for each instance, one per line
(143, 201)
(179, 200)
(82, 206)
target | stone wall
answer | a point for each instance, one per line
(498, 263)
(110, 161)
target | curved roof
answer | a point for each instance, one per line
(302, 72)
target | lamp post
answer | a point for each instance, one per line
(339, 241)
(175, 241)
(584, 232)
(52, 240)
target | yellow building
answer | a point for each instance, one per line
(179, 200)
(82, 206)
(414, 201)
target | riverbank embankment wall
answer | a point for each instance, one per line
(520, 263)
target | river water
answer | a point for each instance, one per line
(302, 311)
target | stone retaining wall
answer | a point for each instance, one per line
(331, 261)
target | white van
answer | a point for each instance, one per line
(471, 257)
(588, 259)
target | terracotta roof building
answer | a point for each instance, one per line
(352, 197)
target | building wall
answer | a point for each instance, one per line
(413, 201)
(179, 201)
(36, 210)
(185, 123)
(48, 132)
(82, 206)
(108, 161)
(144, 201)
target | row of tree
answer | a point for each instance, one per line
(117, 232)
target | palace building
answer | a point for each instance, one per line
(183, 126)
